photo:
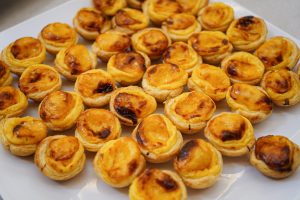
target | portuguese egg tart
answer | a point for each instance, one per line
(243, 67)
(128, 68)
(37, 81)
(56, 36)
(95, 127)
(216, 17)
(118, 162)
(231, 134)
(22, 53)
(278, 52)
(199, 164)
(192, 7)
(5, 75)
(75, 60)
(128, 20)
(89, 23)
(131, 104)
(60, 110)
(282, 86)
(13, 102)
(275, 156)
(181, 26)
(158, 138)
(249, 101)
(95, 87)
(247, 33)
(190, 111)
(109, 7)
(159, 10)
(211, 80)
(151, 41)
(21, 136)
(137, 4)
(164, 81)
(60, 157)
(110, 43)
(157, 184)
(213, 46)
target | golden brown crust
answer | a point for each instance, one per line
(109, 7)
(118, 162)
(5, 75)
(157, 184)
(192, 7)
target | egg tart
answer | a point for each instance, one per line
(89, 23)
(119, 162)
(60, 110)
(159, 10)
(128, 20)
(283, 87)
(60, 157)
(56, 36)
(137, 4)
(213, 46)
(181, 26)
(278, 52)
(75, 60)
(216, 17)
(128, 68)
(37, 81)
(275, 156)
(243, 67)
(211, 80)
(199, 164)
(22, 53)
(192, 7)
(249, 101)
(247, 33)
(21, 136)
(96, 127)
(157, 184)
(13, 102)
(95, 87)
(5, 75)
(131, 104)
(158, 138)
(190, 111)
(151, 41)
(110, 43)
(109, 7)
(231, 134)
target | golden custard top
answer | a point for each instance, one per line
(91, 19)
(156, 184)
(119, 159)
(25, 131)
(97, 125)
(109, 7)
(276, 152)
(95, 83)
(180, 21)
(279, 81)
(182, 55)
(192, 7)
(38, 78)
(26, 48)
(164, 8)
(130, 62)
(113, 41)
(58, 33)
(56, 105)
(276, 53)
(197, 159)
(8, 97)
(195, 105)
(3, 69)
(247, 28)
(243, 66)
(131, 18)
(166, 76)
(209, 43)
(251, 97)
(216, 15)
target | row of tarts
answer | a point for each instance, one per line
(129, 48)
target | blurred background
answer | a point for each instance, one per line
(284, 14)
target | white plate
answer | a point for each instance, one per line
(20, 179)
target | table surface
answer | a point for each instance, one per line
(285, 14)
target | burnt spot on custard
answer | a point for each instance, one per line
(35, 77)
(26, 48)
(7, 99)
(186, 149)
(132, 166)
(104, 88)
(245, 22)
(231, 70)
(91, 20)
(103, 134)
(130, 60)
(282, 83)
(228, 135)
(127, 113)
(167, 183)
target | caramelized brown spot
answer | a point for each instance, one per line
(25, 48)
(127, 113)
(90, 20)
(3, 69)
(228, 135)
(132, 166)
(185, 150)
(130, 61)
(167, 183)
(279, 81)
(7, 98)
(232, 70)
(156, 41)
(122, 18)
(103, 133)
(245, 21)
(34, 77)
(104, 88)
